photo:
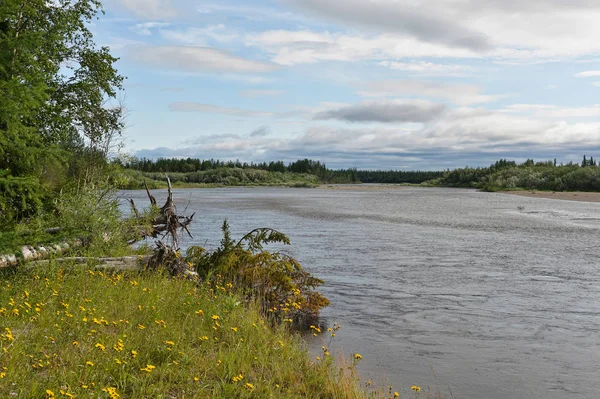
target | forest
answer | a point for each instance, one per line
(529, 175)
(191, 166)
(501, 175)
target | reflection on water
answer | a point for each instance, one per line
(458, 290)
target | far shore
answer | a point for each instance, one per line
(559, 195)
(367, 186)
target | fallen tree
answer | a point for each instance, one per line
(163, 222)
(166, 222)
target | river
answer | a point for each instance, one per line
(477, 295)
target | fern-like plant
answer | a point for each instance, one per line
(286, 292)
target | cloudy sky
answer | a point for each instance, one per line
(400, 84)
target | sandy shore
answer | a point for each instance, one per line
(566, 196)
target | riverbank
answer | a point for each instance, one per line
(63, 336)
(559, 195)
(367, 186)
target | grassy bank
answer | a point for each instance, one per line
(223, 177)
(83, 333)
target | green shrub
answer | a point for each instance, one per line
(20, 197)
(284, 289)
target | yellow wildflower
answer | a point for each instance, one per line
(89, 363)
(357, 356)
(49, 394)
(248, 386)
(416, 388)
(133, 354)
(148, 368)
(8, 335)
(100, 346)
(112, 392)
(396, 395)
(119, 346)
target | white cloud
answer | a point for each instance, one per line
(198, 36)
(183, 106)
(460, 94)
(597, 84)
(197, 59)
(548, 111)
(516, 31)
(448, 138)
(588, 74)
(463, 130)
(402, 17)
(146, 27)
(426, 68)
(261, 93)
(301, 47)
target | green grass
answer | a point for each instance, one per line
(86, 333)
(12, 241)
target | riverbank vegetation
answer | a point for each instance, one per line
(501, 175)
(530, 175)
(132, 179)
(192, 170)
(69, 332)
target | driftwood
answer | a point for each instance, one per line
(167, 223)
(118, 263)
(28, 253)
(127, 263)
(166, 256)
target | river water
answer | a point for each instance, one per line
(456, 290)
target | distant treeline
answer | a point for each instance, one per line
(501, 175)
(302, 166)
(530, 175)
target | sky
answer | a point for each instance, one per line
(372, 84)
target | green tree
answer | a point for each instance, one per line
(54, 85)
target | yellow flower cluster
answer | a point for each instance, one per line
(112, 392)
(148, 368)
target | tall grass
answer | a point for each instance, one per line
(85, 333)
